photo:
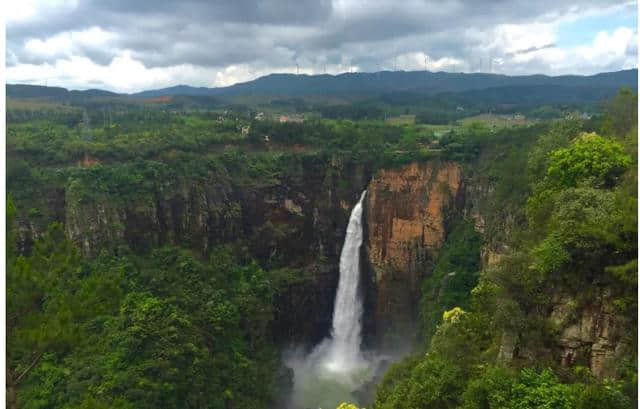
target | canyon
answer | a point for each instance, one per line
(299, 220)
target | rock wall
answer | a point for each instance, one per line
(589, 335)
(408, 212)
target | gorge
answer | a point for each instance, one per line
(297, 276)
(408, 211)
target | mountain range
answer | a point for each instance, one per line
(378, 83)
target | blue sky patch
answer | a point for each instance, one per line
(583, 31)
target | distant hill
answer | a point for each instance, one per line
(533, 94)
(41, 91)
(370, 84)
(177, 90)
(484, 87)
(34, 91)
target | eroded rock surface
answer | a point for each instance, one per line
(408, 211)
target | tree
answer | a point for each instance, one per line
(156, 357)
(39, 316)
(498, 388)
(590, 157)
(622, 113)
(345, 405)
(590, 161)
(49, 294)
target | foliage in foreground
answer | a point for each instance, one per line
(579, 237)
(120, 331)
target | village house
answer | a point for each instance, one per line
(291, 118)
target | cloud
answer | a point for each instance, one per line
(609, 51)
(219, 42)
(91, 42)
(532, 49)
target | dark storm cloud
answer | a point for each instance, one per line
(275, 33)
(120, 15)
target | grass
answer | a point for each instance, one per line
(402, 120)
(498, 121)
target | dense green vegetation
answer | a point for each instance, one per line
(168, 330)
(453, 277)
(577, 238)
(165, 326)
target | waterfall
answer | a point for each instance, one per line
(344, 353)
(337, 367)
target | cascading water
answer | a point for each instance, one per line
(336, 367)
(344, 353)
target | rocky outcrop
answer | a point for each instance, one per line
(408, 211)
(589, 335)
(304, 309)
(195, 216)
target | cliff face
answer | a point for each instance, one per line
(298, 221)
(589, 334)
(408, 212)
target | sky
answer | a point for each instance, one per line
(133, 45)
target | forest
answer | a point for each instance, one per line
(577, 234)
(163, 256)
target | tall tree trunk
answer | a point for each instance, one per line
(12, 389)
(13, 382)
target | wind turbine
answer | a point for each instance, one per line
(425, 71)
(86, 131)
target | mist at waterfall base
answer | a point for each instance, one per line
(336, 368)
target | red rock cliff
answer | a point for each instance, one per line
(407, 213)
